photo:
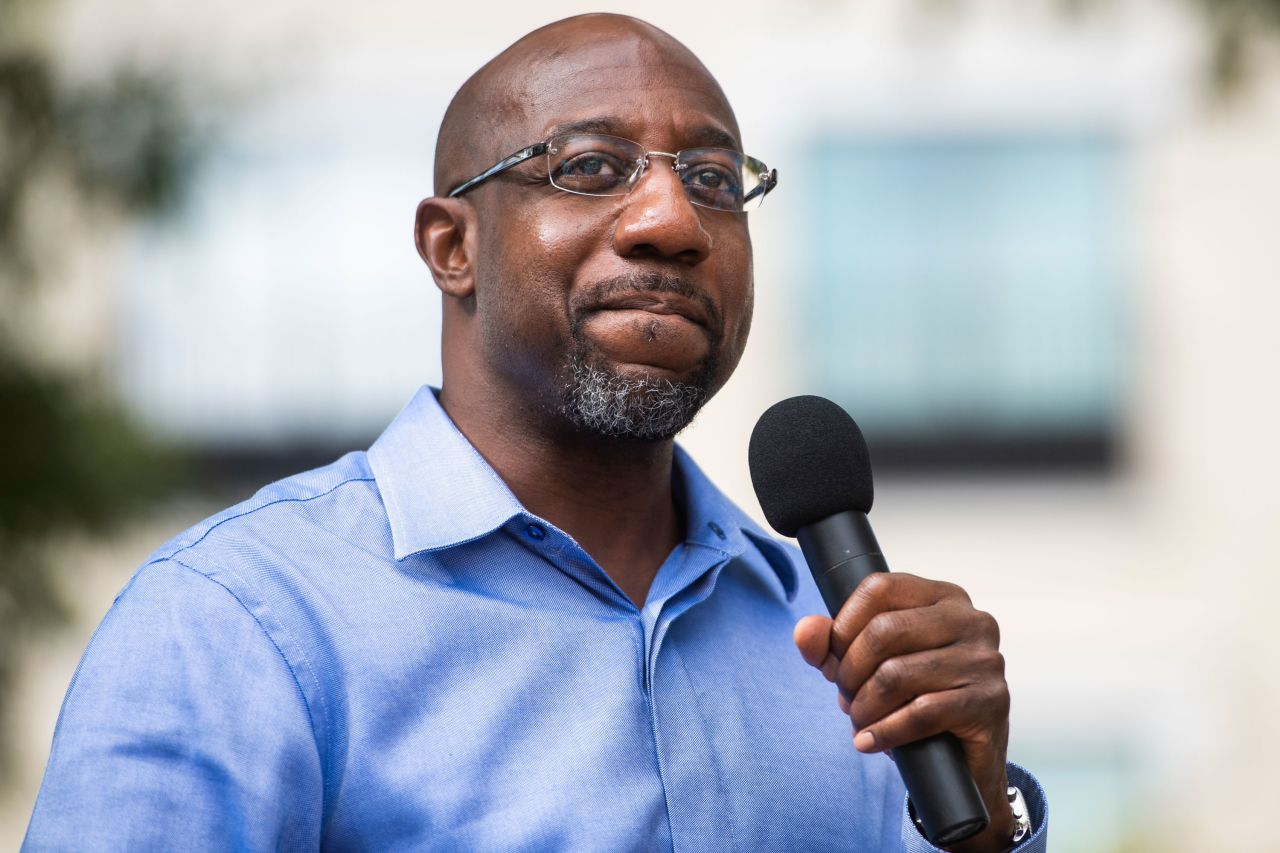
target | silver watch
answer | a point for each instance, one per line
(1021, 816)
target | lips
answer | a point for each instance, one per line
(651, 328)
(658, 303)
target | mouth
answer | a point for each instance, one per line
(659, 304)
(665, 324)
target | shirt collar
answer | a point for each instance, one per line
(439, 492)
(710, 513)
(437, 488)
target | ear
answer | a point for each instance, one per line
(444, 232)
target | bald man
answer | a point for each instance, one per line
(524, 619)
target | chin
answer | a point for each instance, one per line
(632, 401)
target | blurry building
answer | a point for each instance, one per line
(1021, 247)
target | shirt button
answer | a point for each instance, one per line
(536, 532)
(715, 528)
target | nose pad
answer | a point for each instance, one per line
(642, 166)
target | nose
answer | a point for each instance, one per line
(658, 221)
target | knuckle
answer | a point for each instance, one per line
(875, 585)
(929, 710)
(889, 677)
(860, 716)
(997, 664)
(1001, 700)
(880, 632)
(951, 590)
(988, 627)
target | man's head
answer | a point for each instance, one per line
(618, 315)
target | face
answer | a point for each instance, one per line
(624, 313)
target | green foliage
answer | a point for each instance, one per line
(1240, 30)
(126, 143)
(70, 460)
(70, 457)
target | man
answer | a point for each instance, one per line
(524, 620)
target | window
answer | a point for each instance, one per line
(966, 299)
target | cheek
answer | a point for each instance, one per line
(522, 294)
(748, 310)
(543, 247)
(740, 298)
(735, 334)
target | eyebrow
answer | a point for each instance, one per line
(707, 136)
(703, 136)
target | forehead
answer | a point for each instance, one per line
(656, 94)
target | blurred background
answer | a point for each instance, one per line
(1032, 245)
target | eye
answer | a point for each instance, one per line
(592, 164)
(714, 184)
(591, 172)
(712, 179)
(588, 165)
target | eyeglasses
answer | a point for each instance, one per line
(600, 165)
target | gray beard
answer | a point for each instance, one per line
(600, 401)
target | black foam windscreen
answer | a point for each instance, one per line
(808, 461)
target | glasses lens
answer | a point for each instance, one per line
(723, 179)
(592, 164)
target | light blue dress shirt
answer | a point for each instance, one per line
(390, 653)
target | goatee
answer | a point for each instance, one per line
(599, 399)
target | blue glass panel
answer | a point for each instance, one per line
(969, 286)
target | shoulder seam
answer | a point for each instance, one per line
(250, 511)
(293, 672)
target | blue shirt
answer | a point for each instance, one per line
(391, 653)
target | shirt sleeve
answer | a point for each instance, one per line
(1037, 805)
(184, 726)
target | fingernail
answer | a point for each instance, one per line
(865, 741)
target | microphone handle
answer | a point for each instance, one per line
(841, 550)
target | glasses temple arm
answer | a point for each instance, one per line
(770, 181)
(501, 166)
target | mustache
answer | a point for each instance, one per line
(599, 293)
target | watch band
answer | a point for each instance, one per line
(1021, 816)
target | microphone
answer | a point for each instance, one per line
(812, 474)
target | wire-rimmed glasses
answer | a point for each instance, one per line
(596, 164)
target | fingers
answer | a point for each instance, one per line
(895, 634)
(912, 658)
(900, 680)
(976, 713)
(882, 592)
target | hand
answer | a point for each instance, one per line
(913, 658)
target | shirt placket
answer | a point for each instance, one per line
(700, 568)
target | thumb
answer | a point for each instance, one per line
(812, 637)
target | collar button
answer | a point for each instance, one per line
(536, 532)
(715, 528)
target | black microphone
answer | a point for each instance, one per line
(812, 474)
